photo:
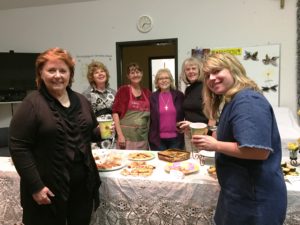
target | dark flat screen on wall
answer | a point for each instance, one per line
(17, 71)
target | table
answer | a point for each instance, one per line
(10, 209)
(158, 199)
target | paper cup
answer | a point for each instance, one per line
(198, 128)
(105, 128)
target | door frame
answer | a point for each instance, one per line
(157, 42)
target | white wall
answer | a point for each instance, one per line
(94, 28)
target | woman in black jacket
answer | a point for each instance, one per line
(50, 138)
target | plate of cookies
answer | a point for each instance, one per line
(109, 160)
(138, 168)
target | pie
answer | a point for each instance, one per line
(140, 156)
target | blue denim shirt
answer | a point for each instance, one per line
(253, 192)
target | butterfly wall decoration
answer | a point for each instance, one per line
(271, 88)
(249, 55)
(270, 60)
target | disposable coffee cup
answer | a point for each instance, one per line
(198, 128)
(105, 128)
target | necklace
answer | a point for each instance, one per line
(165, 102)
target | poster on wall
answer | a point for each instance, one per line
(81, 69)
(262, 64)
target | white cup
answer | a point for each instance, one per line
(198, 128)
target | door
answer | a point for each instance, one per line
(142, 52)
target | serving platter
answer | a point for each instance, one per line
(108, 160)
(140, 156)
(173, 155)
(185, 167)
(112, 168)
(209, 154)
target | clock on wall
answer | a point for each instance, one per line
(144, 23)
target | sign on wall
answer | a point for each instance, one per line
(81, 68)
(262, 64)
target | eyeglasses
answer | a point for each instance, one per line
(164, 78)
(135, 71)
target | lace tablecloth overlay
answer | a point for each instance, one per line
(138, 201)
(157, 199)
(10, 209)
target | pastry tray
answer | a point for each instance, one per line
(173, 155)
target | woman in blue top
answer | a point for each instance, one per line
(248, 147)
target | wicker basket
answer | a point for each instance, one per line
(173, 155)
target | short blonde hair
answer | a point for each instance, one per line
(191, 61)
(167, 71)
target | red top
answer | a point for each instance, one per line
(122, 97)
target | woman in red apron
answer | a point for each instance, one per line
(131, 112)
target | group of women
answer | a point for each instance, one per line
(145, 120)
(52, 131)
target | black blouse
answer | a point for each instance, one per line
(193, 103)
(46, 138)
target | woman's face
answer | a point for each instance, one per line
(164, 82)
(56, 76)
(220, 81)
(135, 76)
(191, 72)
(99, 76)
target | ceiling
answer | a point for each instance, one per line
(13, 4)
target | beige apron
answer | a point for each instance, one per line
(135, 123)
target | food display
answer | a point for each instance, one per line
(141, 156)
(184, 167)
(173, 155)
(108, 161)
(139, 168)
(288, 169)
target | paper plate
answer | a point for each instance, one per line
(112, 168)
(185, 167)
(141, 156)
(209, 154)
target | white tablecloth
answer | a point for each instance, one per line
(10, 209)
(158, 199)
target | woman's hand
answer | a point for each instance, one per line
(206, 142)
(183, 126)
(43, 196)
(121, 142)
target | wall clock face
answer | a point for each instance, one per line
(144, 24)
